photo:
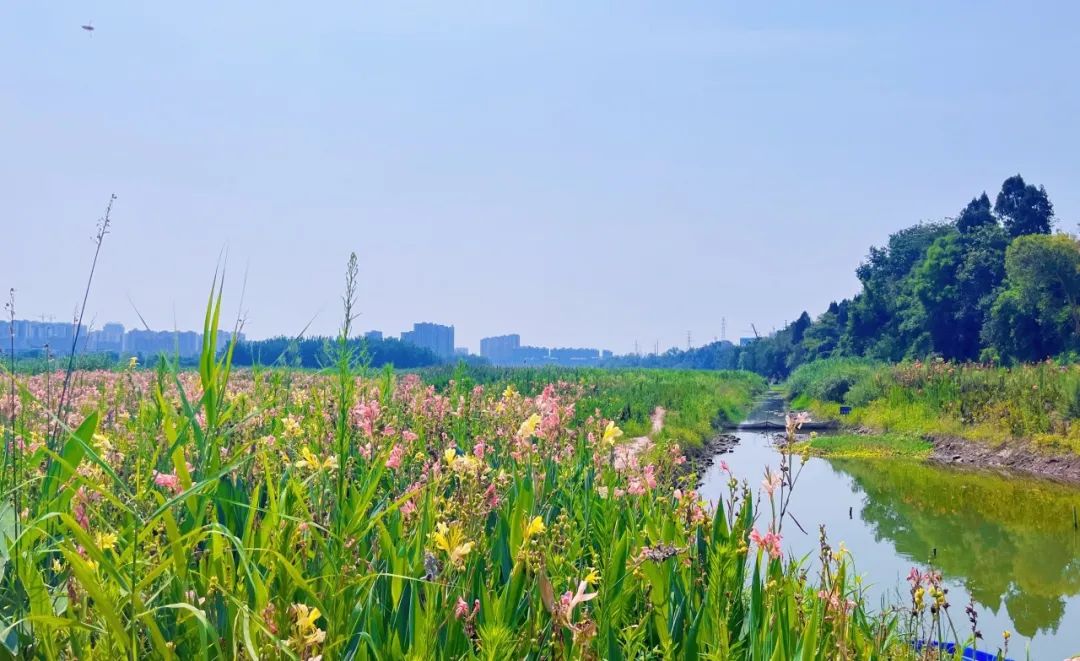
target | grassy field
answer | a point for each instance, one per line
(1038, 403)
(697, 402)
(354, 515)
(867, 445)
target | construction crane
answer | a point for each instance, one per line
(755, 331)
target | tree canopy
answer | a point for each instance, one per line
(313, 352)
(993, 284)
(1023, 208)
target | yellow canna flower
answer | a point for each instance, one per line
(611, 434)
(451, 541)
(441, 536)
(528, 428)
(463, 463)
(101, 442)
(291, 427)
(509, 392)
(306, 633)
(534, 527)
(133, 362)
(308, 459)
(592, 578)
(308, 620)
(450, 455)
(105, 541)
(457, 555)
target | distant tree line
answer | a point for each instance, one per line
(715, 356)
(312, 352)
(993, 284)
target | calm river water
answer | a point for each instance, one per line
(1008, 544)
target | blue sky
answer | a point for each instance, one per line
(582, 173)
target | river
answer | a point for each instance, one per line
(1009, 545)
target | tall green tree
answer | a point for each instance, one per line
(1023, 208)
(822, 339)
(975, 215)
(1037, 313)
(956, 285)
(884, 318)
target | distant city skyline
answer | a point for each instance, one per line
(475, 348)
(579, 173)
(34, 336)
(508, 350)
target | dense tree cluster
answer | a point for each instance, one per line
(993, 284)
(313, 352)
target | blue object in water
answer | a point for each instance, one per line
(950, 648)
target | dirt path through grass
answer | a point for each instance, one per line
(640, 444)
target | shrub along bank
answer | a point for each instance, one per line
(1036, 406)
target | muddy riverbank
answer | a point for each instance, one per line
(1010, 457)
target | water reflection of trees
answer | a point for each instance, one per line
(1007, 541)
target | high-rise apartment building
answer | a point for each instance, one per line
(436, 337)
(500, 349)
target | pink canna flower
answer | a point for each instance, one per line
(78, 508)
(168, 481)
(364, 415)
(564, 601)
(914, 577)
(796, 420)
(394, 460)
(570, 601)
(772, 481)
(772, 544)
(835, 602)
(461, 609)
(650, 476)
(492, 496)
(769, 542)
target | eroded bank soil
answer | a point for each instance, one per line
(1013, 456)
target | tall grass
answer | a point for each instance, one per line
(344, 515)
(697, 401)
(1038, 402)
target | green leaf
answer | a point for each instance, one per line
(68, 461)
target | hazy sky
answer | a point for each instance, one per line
(581, 173)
